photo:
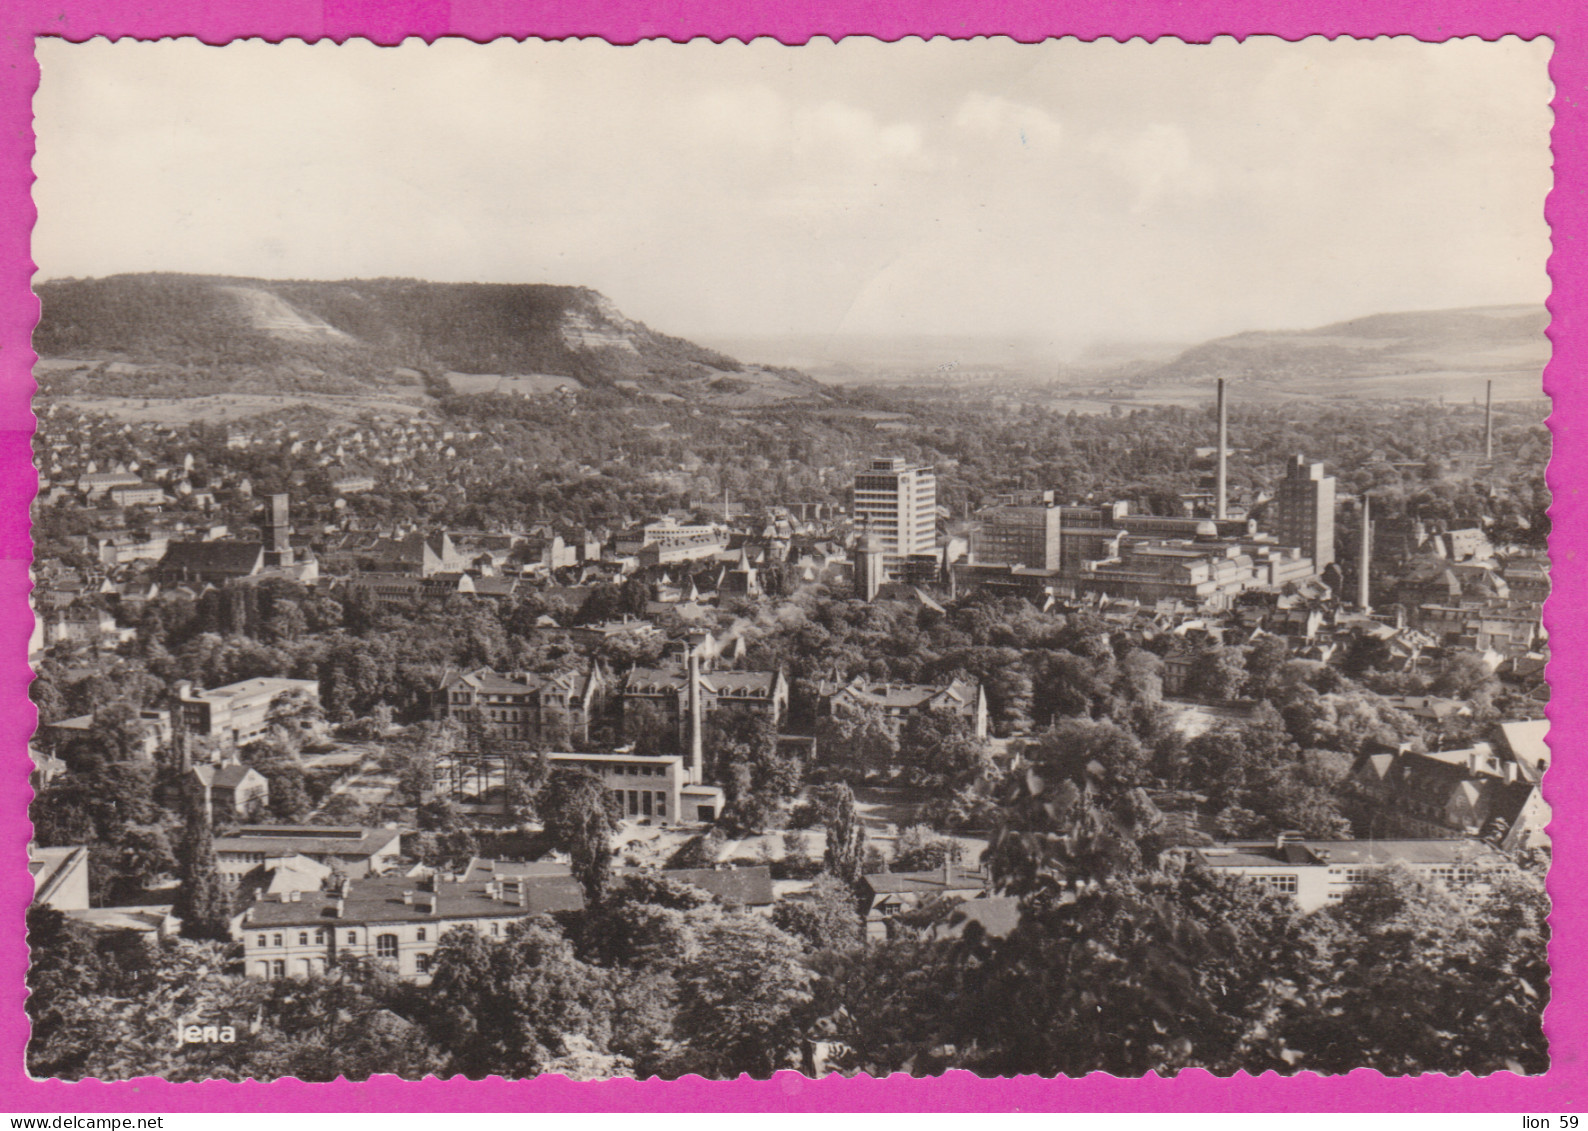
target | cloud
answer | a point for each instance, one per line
(1000, 119)
(1156, 161)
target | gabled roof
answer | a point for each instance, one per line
(1525, 741)
(229, 776)
(239, 558)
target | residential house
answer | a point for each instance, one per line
(232, 789)
(885, 896)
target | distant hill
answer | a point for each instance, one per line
(1412, 353)
(162, 335)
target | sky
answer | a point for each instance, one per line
(1061, 193)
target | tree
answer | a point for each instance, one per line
(857, 742)
(579, 817)
(526, 775)
(743, 996)
(200, 904)
(919, 849)
(143, 853)
(939, 750)
(119, 732)
(846, 837)
(1422, 984)
(1114, 752)
(648, 727)
(1264, 660)
(513, 1007)
(1217, 673)
(826, 919)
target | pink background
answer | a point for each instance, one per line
(793, 21)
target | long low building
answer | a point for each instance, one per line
(654, 786)
(354, 852)
(397, 921)
(1317, 873)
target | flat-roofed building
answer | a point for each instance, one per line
(1305, 511)
(655, 787)
(239, 713)
(1316, 873)
(896, 501)
(1018, 532)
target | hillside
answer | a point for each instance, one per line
(163, 335)
(1412, 354)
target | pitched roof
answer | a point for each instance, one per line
(240, 558)
(309, 842)
(1525, 740)
(381, 899)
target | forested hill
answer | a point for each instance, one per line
(1444, 345)
(165, 334)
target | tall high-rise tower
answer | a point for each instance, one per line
(896, 502)
(1306, 511)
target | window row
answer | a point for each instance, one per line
(382, 942)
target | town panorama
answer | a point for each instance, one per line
(468, 680)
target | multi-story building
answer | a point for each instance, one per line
(396, 922)
(896, 501)
(138, 495)
(211, 563)
(1489, 789)
(524, 707)
(239, 713)
(1015, 532)
(1305, 509)
(667, 689)
(393, 921)
(899, 701)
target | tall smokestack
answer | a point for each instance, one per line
(697, 745)
(1364, 566)
(1488, 422)
(1221, 512)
